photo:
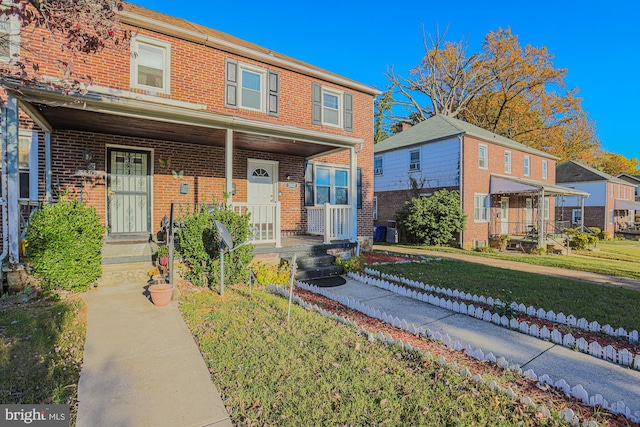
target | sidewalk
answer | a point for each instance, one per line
(141, 364)
(615, 383)
(564, 273)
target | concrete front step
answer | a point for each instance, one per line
(319, 272)
(314, 260)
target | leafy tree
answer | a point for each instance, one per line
(505, 88)
(615, 164)
(78, 27)
(433, 220)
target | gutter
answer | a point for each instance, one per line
(230, 47)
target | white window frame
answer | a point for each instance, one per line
(507, 162)
(263, 86)
(332, 183)
(378, 170)
(576, 216)
(611, 216)
(612, 190)
(545, 208)
(545, 169)
(619, 190)
(340, 108)
(13, 32)
(480, 212)
(166, 70)
(29, 137)
(483, 161)
(414, 166)
(375, 207)
(526, 168)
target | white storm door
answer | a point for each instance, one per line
(504, 210)
(528, 213)
(128, 191)
(262, 195)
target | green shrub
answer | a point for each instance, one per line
(64, 245)
(351, 264)
(275, 274)
(199, 247)
(433, 220)
(485, 249)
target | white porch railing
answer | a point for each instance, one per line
(265, 219)
(338, 218)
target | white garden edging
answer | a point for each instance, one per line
(577, 391)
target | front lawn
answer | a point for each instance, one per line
(612, 305)
(611, 267)
(41, 350)
(314, 371)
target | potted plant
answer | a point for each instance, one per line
(504, 241)
(159, 290)
(163, 255)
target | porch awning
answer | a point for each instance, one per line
(626, 205)
(501, 184)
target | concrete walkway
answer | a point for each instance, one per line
(583, 276)
(141, 364)
(615, 383)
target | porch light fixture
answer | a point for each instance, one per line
(288, 176)
(87, 156)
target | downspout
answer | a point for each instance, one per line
(541, 233)
(460, 170)
(3, 191)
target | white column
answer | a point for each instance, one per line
(228, 165)
(353, 175)
(47, 164)
(13, 179)
(582, 215)
(328, 226)
(541, 232)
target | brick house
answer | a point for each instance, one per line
(506, 187)
(610, 207)
(633, 179)
(189, 114)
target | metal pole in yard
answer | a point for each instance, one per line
(170, 243)
(221, 269)
(293, 273)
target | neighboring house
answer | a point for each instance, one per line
(611, 205)
(191, 115)
(505, 186)
(633, 179)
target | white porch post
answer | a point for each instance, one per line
(353, 174)
(582, 214)
(228, 165)
(327, 223)
(10, 121)
(48, 186)
(277, 229)
(541, 232)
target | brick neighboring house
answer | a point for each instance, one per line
(610, 207)
(633, 179)
(506, 187)
(190, 114)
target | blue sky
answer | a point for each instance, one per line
(598, 42)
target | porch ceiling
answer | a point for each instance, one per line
(501, 184)
(64, 118)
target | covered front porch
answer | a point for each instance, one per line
(523, 216)
(131, 158)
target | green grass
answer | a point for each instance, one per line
(611, 267)
(314, 371)
(612, 305)
(41, 349)
(628, 248)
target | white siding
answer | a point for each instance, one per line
(596, 189)
(439, 166)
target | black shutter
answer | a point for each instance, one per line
(308, 184)
(273, 108)
(348, 112)
(359, 188)
(316, 104)
(231, 84)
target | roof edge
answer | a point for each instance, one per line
(198, 37)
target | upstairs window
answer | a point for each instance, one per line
(414, 160)
(483, 161)
(150, 64)
(9, 36)
(331, 107)
(545, 169)
(251, 88)
(377, 165)
(507, 162)
(527, 164)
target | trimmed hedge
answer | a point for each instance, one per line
(64, 245)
